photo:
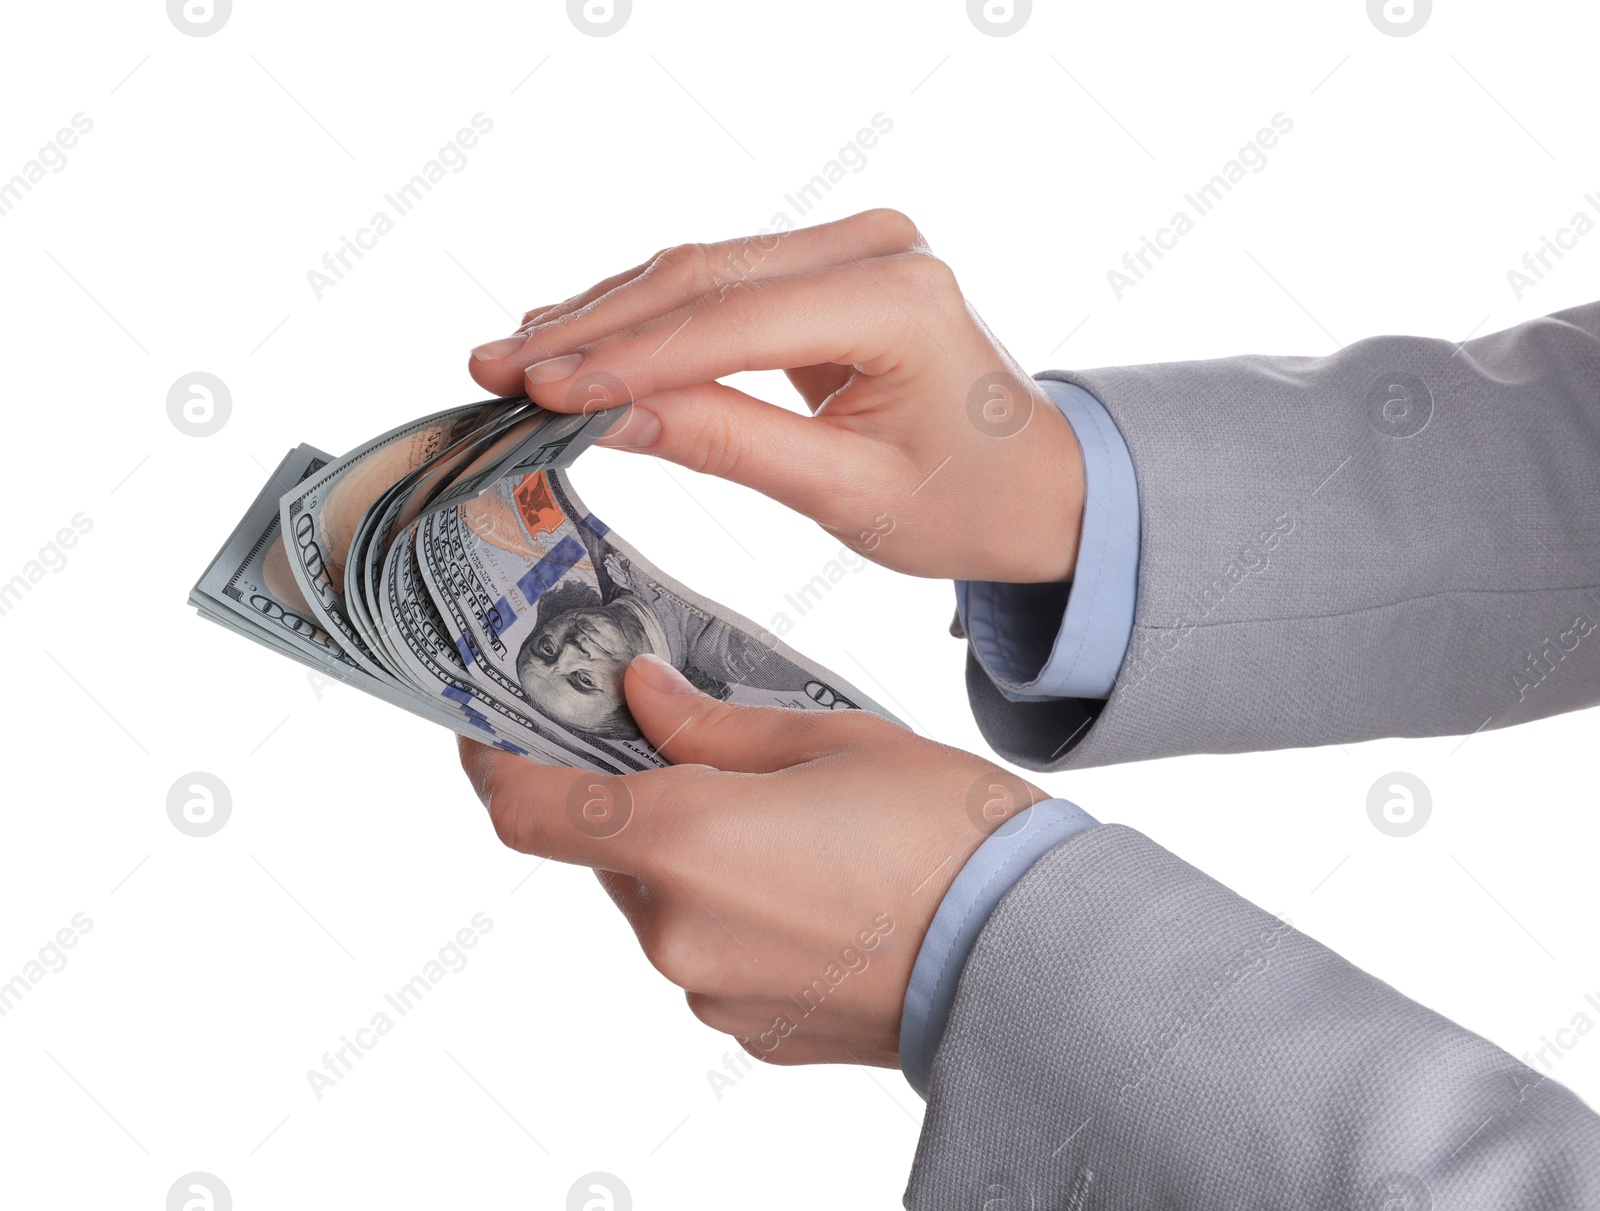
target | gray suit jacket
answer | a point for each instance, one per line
(1402, 539)
(1131, 1036)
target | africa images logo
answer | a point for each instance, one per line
(199, 18)
(1399, 804)
(599, 18)
(999, 18)
(1399, 18)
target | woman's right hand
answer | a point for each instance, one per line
(928, 451)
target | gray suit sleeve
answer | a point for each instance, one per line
(1401, 539)
(1130, 1034)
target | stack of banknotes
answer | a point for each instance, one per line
(448, 567)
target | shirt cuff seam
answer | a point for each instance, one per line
(1097, 583)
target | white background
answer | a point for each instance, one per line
(178, 237)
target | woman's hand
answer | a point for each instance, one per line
(782, 872)
(929, 450)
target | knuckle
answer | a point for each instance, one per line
(682, 265)
(675, 952)
(719, 446)
(509, 823)
(924, 290)
(714, 1013)
(894, 228)
(526, 822)
(928, 276)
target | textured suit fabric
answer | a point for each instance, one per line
(1318, 565)
(1129, 1035)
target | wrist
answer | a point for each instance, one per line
(1044, 537)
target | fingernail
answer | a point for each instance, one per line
(635, 431)
(495, 350)
(661, 676)
(553, 370)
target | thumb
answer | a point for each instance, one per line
(688, 727)
(722, 431)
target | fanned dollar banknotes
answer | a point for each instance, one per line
(448, 567)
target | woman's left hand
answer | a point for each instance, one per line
(782, 871)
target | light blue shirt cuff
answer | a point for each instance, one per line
(993, 870)
(1041, 642)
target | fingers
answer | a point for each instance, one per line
(688, 727)
(677, 276)
(597, 820)
(876, 317)
(626, 824)
(870, 314)
(489, 363)
(719, 430)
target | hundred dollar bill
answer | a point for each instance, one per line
(405, 617)
(398, 506)
(448, 568)
(238, 580)
(248, 588)
(524, 437)
(320, 516)
(433, 661)
(414, 611)
(547, 606)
